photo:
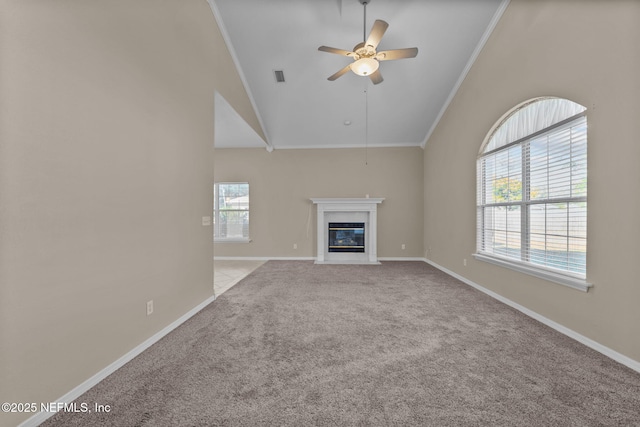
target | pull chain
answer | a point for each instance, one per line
(366, 92)
(366, 123)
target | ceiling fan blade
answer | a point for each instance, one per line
(336, 51)
(376, 77)
(377, 31)
(340, 73)
(389, 55)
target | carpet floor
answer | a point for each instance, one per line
(299, 344)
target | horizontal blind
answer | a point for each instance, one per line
(531, 200)
(231, 210)
(500, 198)
(557, 208)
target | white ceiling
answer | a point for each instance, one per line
(307, 110)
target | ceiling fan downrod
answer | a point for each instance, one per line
(364, 23)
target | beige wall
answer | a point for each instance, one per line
(586, 52)
(282, 182)
(106, 168)
(106, 132)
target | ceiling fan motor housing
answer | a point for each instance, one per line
(364, 51)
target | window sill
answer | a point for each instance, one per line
(572, 282)
(237, 240)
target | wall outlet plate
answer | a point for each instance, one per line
(149, 307)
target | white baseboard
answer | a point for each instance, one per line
(262, 258)
(312, 258)
(393, 258)
(618, 357)
(40, 417)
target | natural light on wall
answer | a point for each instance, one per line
(532, 192)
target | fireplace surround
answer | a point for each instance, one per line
(347, 230)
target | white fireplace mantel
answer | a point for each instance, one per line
(348, 210)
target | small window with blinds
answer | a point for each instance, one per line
(231, 212)
(532, 192)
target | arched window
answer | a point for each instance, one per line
(532, 191)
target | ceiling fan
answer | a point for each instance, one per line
(366, 59)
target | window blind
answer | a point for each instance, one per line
(532, 199)
(231, 210)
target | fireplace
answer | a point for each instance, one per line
(346, 237)
(347, 230)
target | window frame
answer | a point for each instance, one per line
(216, 214)
(560, 276)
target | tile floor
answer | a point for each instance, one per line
(227, 273)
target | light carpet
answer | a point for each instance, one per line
(299, 344)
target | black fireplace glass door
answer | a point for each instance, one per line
(346, 237)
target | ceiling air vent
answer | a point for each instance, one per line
(279, 76)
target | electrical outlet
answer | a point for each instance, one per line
(149, 307)
(404, 246)
(295, 246)
(206, 221)
(464, 262)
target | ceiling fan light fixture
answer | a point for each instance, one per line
(365, 55)
(365, 66)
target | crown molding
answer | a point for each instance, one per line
(472, 60)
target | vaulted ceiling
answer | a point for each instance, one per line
(307, 110)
